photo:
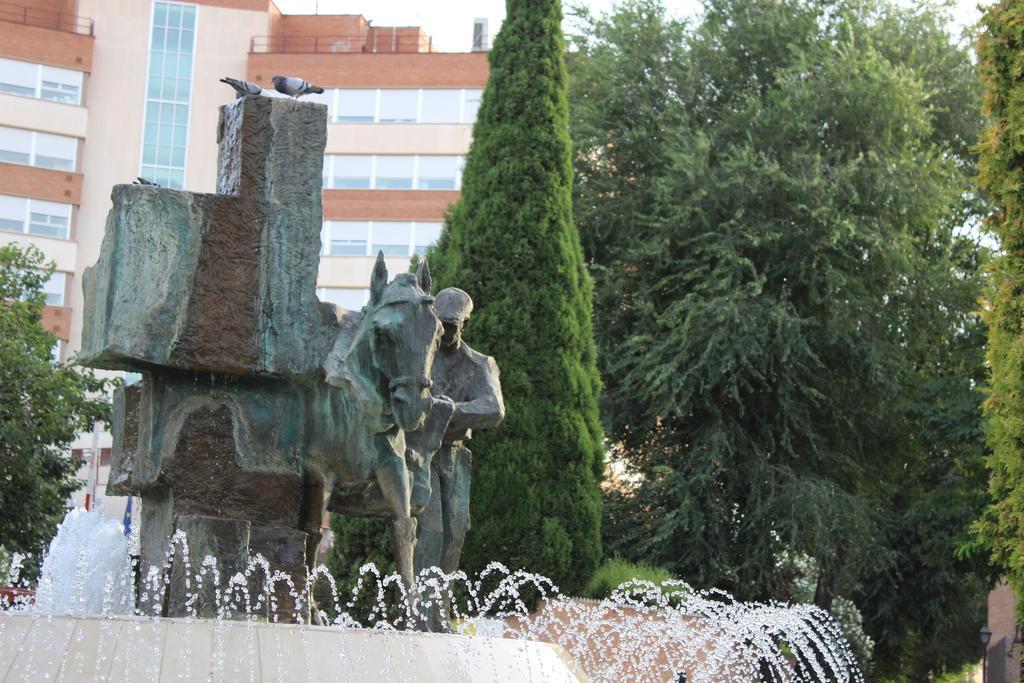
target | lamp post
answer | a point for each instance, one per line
(984, 635)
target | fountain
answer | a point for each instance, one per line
(259, 408)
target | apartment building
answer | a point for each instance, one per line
(97, 92)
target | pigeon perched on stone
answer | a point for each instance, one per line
(242, 88)
(295, 87)
(142, 181)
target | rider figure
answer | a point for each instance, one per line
(469, 380)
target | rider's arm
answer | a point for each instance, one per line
(487, 409)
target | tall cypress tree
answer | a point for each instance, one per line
(511, 243)
(1001, 165)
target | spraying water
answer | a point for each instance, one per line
(642, 632)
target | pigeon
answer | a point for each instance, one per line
(296, 87)
(142, 181)
(242, 88)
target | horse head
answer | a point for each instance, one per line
(404, 333)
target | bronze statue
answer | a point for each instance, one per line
(469, 380)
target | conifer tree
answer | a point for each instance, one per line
(1000, 49)
(511, 243)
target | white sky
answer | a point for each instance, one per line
(450, 22)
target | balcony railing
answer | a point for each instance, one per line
(58, 21)
(375, 41)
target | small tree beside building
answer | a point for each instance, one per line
(43, 406)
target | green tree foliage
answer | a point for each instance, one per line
(510, 242)
(1000, 49)
(43, 405)
(774, 201)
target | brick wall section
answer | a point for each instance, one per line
(62, 6)
(45, 46)
(333, 25)
(1002, 620)
(41, 183)
(57, 319)
(387, 205)
(397, 39)
(251, 5)
(366, 70)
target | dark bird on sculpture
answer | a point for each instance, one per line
(142, 181)
(295, 87)
(242, 88)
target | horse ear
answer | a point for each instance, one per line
(379, 279)
(423, 276)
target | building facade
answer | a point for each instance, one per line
(97, 92)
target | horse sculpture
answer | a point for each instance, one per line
(377, 388)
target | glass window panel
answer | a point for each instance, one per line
(15, 145)
(470, 105)
(56, 151)
(187, 38)
(326, 98)
(160, 14)
(356, 106)
(426, 235)
(156, 64)
(12, 213)
(393, 238)
(347, 297)
(178, 157)
(47, 224)
(398, 106)
(184, 67)
(174, 15)
(54, 289)
(347, 238)
(351, 172)
(175, 179)
(394, 173)
(158, 38)
(188, 17)
(18, 77)
(180, 135)
(440, 106)
(438, 173)
(171, 40)
(149, 154)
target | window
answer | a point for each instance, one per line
(55, 151)
(395, 173)
(387, 172)
(34, 216)
(168, 94)
(356, 106)
(49, 219)
(438, 173)
(347, 297)
(398, 106)
(351, 172)
(402, 105)
(470, 104)
(346, 238)
(19, 146)
(54, 289)
(19, 78)
(440, 106)
(393, 238)
(12, 213)
(15, 146)
(37, 80)
(60, 85)
(425, 235)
